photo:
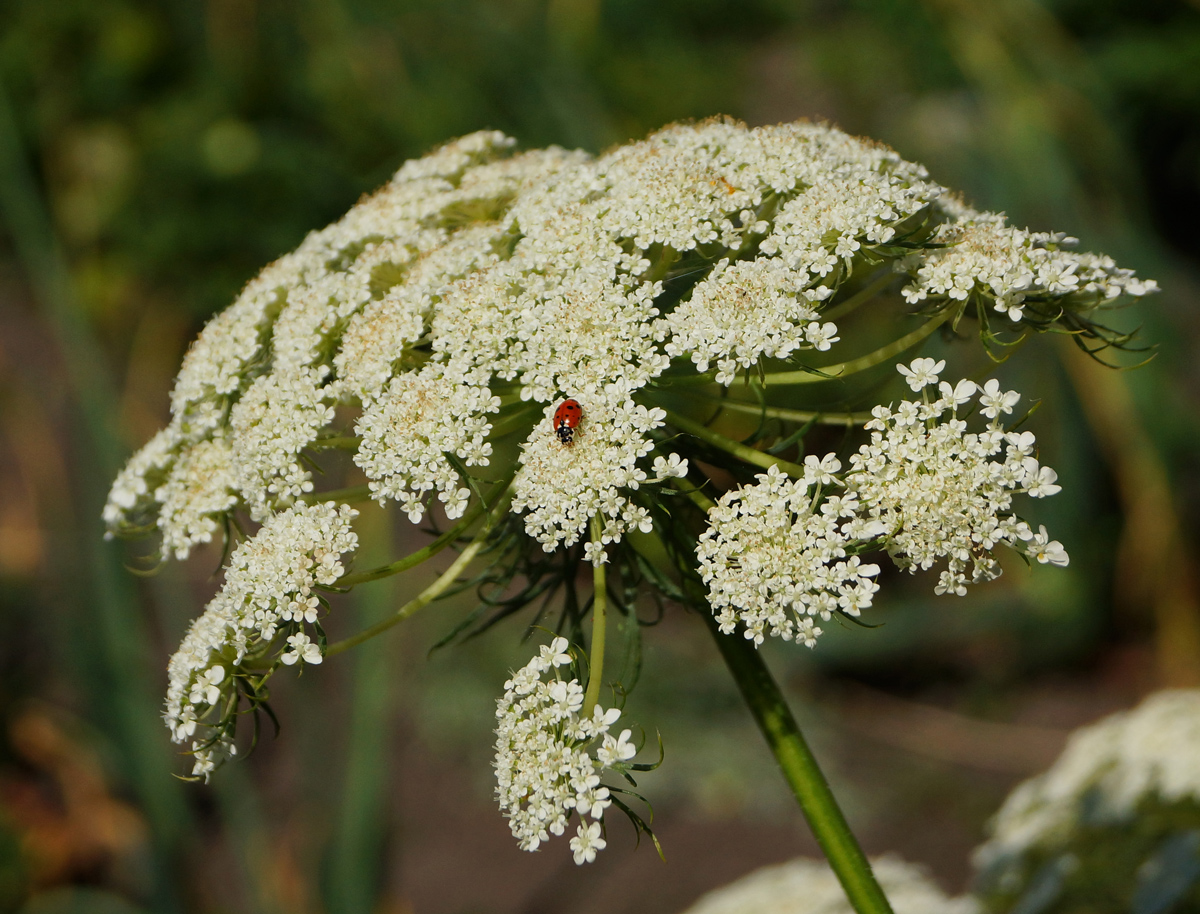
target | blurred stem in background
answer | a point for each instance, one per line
(356, 857)
(101, 593)
(1154, 565)
(1052, 133)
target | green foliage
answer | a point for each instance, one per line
(1145, 863)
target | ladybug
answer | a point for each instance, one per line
(566, 420)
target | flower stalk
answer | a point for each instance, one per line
(752, 456)
(423, 599)
(801, 771)
(472, 514)
(793, 755)
(599, 619)
(881, 355)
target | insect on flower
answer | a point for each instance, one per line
(566, 420)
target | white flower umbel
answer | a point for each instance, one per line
(942, 492)
(810, 887)
(478, 274)
(214, 367)
(558, 273)
(408, 431)
(271, 581)
(131, 495)
(746, 310)
(1104, 773)
(776, 558)
(560, 487)
(550, 755)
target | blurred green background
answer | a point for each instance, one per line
(155, 155)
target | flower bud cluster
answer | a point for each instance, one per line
(550, 755)
(270, 584)
(783, 552)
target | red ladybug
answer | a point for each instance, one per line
(566, 420)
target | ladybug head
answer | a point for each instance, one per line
(566, 434)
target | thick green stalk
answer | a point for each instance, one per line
(421, 555)
(795, 759)
(849, 420)
(736, 448)
(599, 619)
(423, 599)
(800, 770)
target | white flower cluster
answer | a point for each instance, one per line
(408, 431)
(274, 420)
(810, 887)
(746, 310)
(1013, 266)
(551, 274)
(200, 488)
(271, 582)
(544, 770)
(775, 558)
(941, 492)
(782, 552)
(562, 487)
(1106, 770)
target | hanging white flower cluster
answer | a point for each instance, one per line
(1106, 771)
(783, 552)
(775, 558)
(941, 492)
(270, 584)
(550, 755)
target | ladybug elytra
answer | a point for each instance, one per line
(566, 419)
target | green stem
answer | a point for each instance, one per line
(513, 421)
(794, 757)
(829, 372)
(736, 448)
(346, 496)
(800, 770)
(849, 420)
(416, 558)
(337, 443)
(599, 617)
(423, 599)
(878, 357)
(861, 297)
